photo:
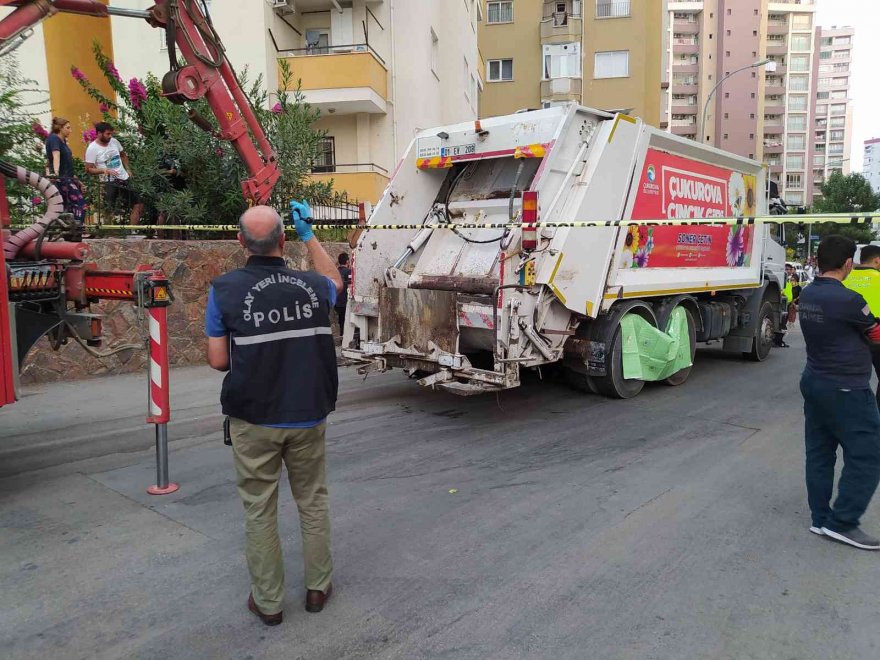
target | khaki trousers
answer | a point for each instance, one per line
(259, 452)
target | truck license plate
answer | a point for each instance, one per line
(460, 150)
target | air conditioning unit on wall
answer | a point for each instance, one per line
(282, 4)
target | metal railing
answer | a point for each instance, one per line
(572, 10)
(345, 49)
(619, 9)
(347, 168)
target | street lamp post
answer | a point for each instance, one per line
(753, 65)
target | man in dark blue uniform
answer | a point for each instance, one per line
(268, 327)
(839, 407)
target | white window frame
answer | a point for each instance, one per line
(500, 62)
(499, 4)
(602, 55)
(566, 58)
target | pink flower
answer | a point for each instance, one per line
(36, 201)
(219, 152)
(89, 135)
(38, 130)
(104, 107)
(137, 93)
(113, 71)
(78, 75)
(277, 109)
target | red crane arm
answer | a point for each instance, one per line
(207, 74)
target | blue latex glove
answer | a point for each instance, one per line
(302, 219)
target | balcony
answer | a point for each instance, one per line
(777, 27)
(685, 27)
(773, 129)
(364, 181)
(774, 86)
(564, 26)
(685, 67)
(777, 48)
(685, 87)
(688, 130)
(561, 89)
(684, 108)
(341, 79)
(773, 146)
(688, 48)
(774, 107)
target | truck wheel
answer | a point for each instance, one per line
(614, 384)
(580, 381)
(679, 377)
(764, 332)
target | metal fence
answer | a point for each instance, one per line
(613, 9)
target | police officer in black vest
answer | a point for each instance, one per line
(268, 327)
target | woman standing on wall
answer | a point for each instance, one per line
(60, 167)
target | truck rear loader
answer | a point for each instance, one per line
(464, 303)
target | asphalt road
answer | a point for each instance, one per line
(543, 523)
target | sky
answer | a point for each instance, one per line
(864, 15)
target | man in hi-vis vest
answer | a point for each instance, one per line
(865, 279)
(268, 327)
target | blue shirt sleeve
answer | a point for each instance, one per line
(333, 292)
(213, 319)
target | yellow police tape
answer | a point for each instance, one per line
(836, 218)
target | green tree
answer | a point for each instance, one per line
(849, 193)
(21, 135)
(155, 131)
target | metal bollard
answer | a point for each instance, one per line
(156, 299)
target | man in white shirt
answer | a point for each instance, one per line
(106, 158)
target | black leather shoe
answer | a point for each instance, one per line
(315, 600)
(268, 619)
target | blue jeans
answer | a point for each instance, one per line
(849, 419)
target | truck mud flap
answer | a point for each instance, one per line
(419, 316)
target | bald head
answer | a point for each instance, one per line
(262, 231)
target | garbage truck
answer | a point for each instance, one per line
(466, 272)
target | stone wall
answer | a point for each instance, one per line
(190, 265)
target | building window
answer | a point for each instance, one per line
(800, 63)
(842, 41)
(500, 12)
(325, 157)
(798, 83)
(825, 55)
(797, 122)
(617, 9)
(500, 70)
(796, 142)
(802, 21)
(838, 122)
(822, 95)
(795, 198)
(836, 136)
(797, 103)
(838, 109)
(435, 54)
(612, 64)
(562, 61)
(794, 162)
(800, 42)
(794, 181)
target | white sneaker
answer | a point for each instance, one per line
(817, 530)
(854, 537)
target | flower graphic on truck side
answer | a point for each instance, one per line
(639, 245)
(736, 247)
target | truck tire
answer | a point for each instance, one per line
(580, 381)
(679, 377)
(613, 384)
(764, 331)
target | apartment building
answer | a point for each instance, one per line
(763, 112)
(831, 137)
(607, 54)
(379, 70)
(871, 163)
